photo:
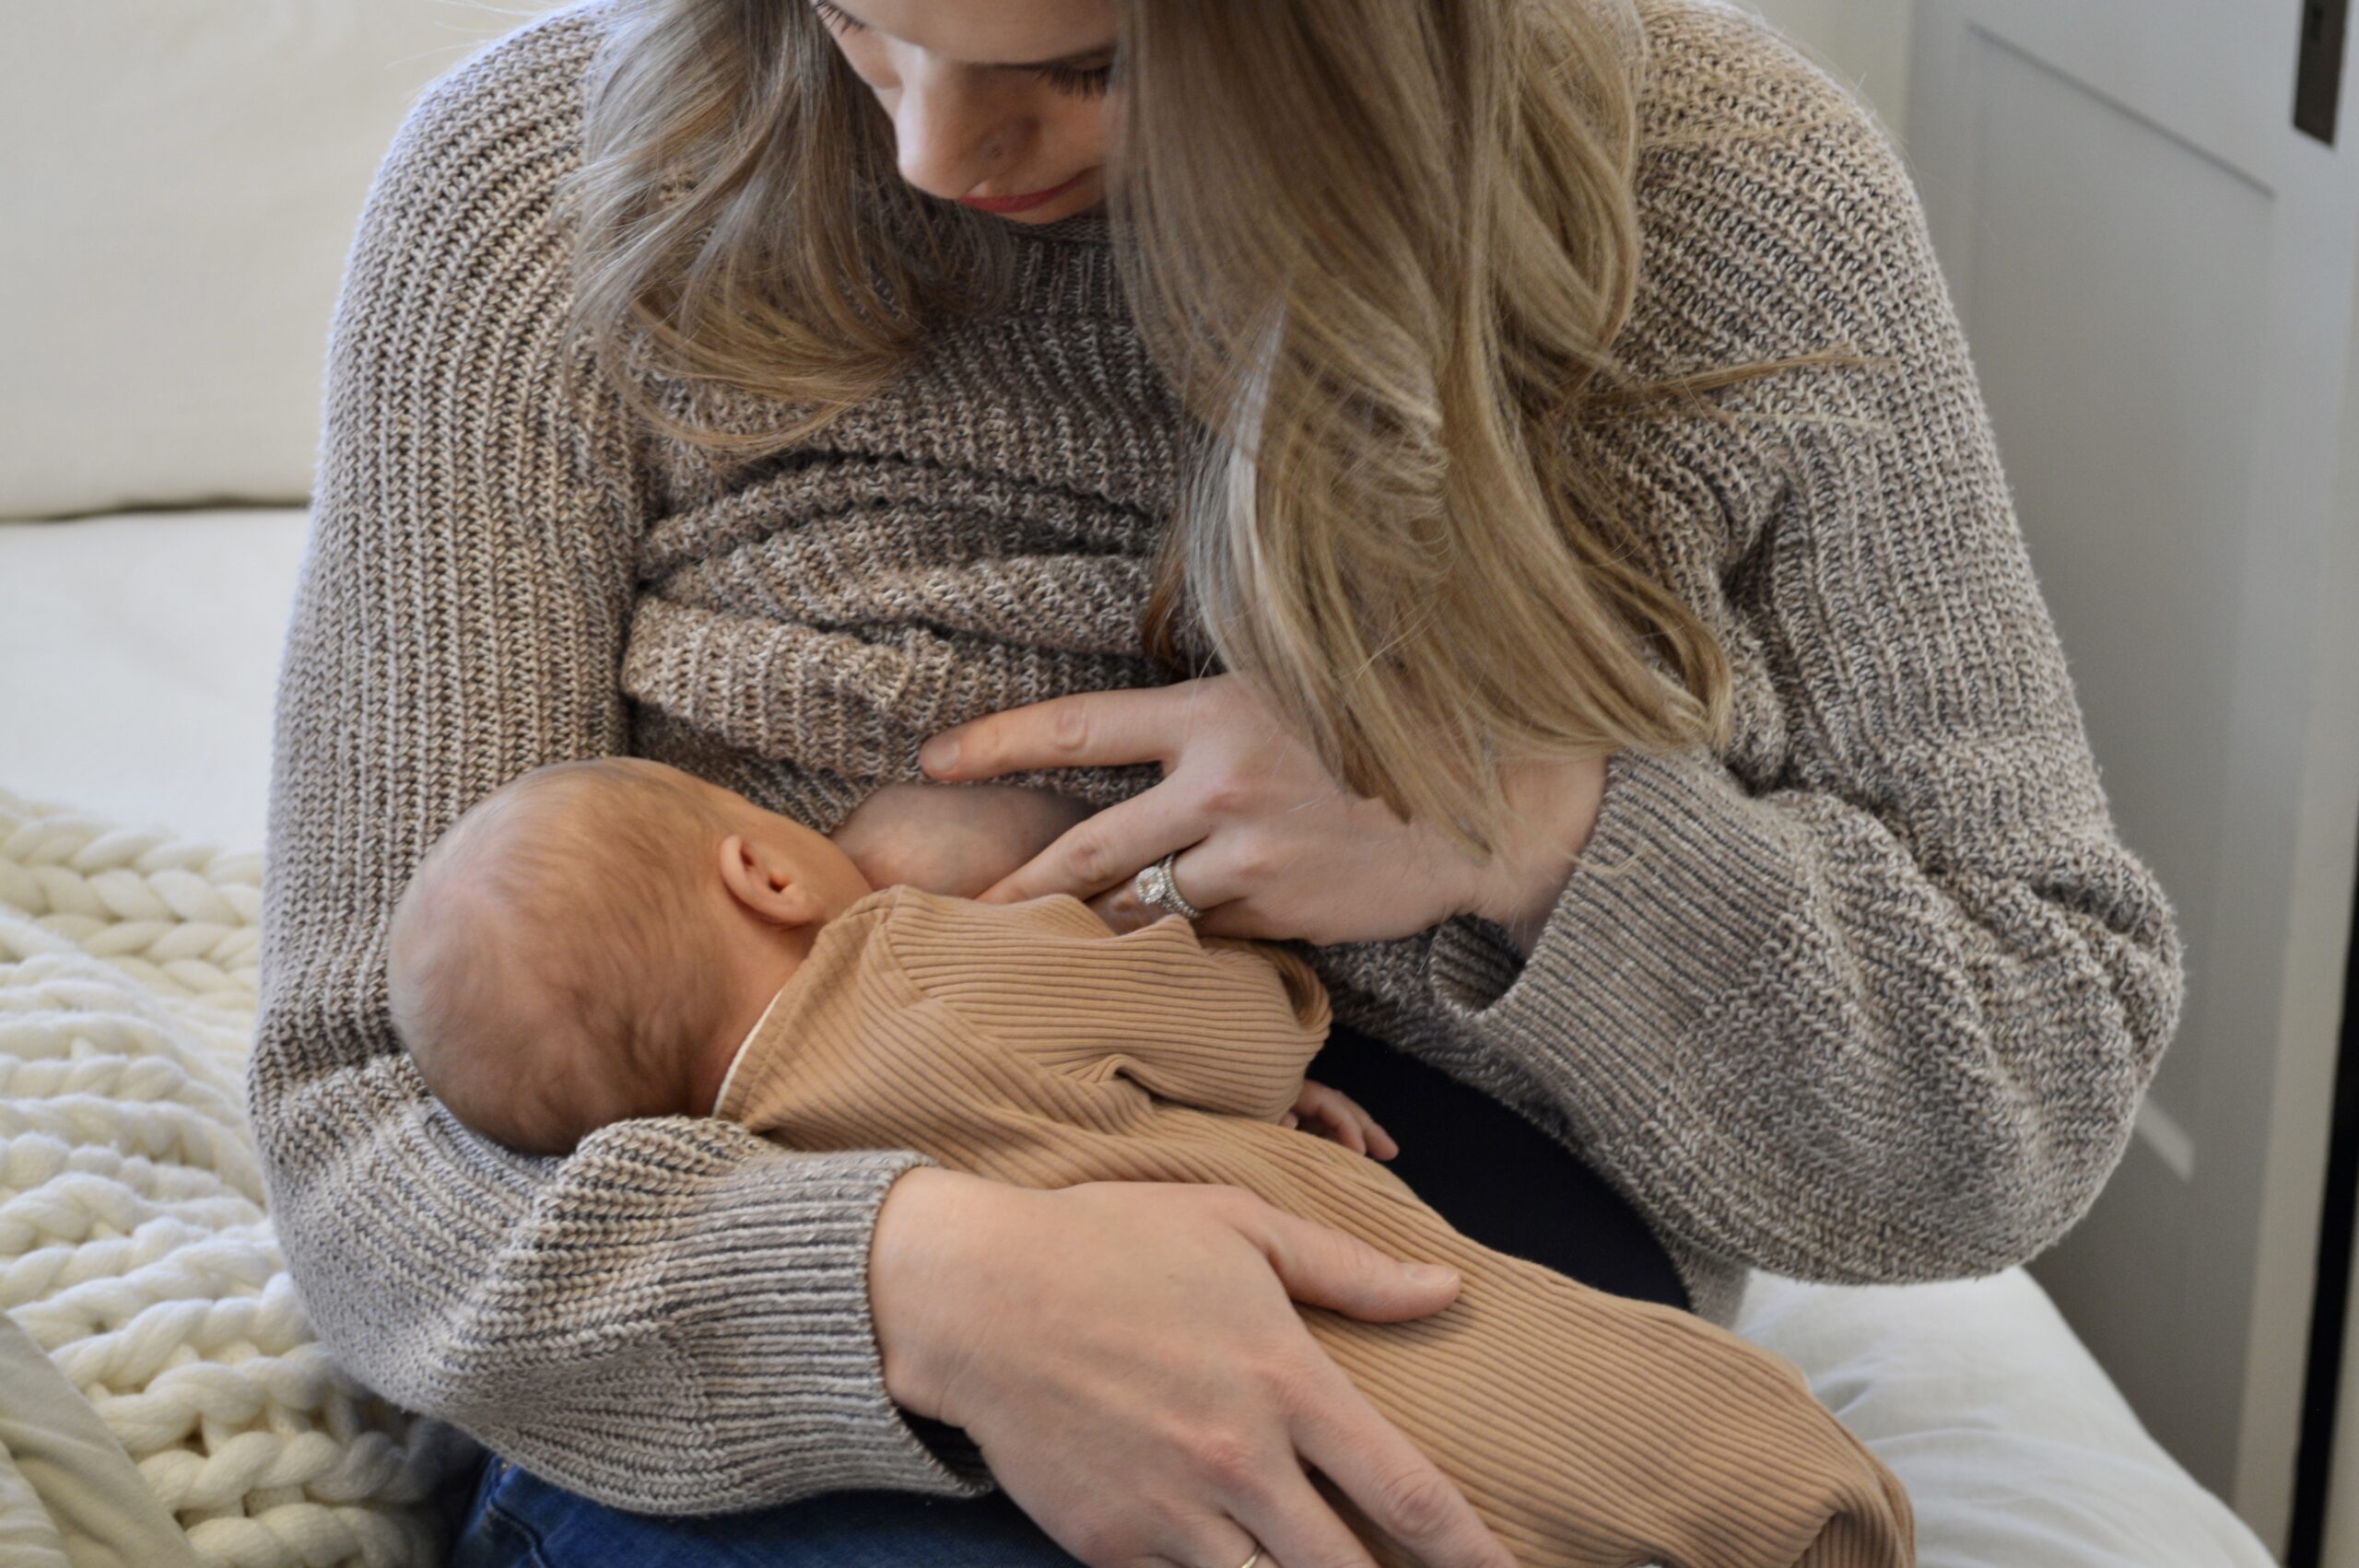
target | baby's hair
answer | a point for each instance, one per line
(546, 965)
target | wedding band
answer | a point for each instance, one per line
(1252, 1559)
(1156, 890)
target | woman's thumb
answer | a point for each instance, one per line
(1322, 1267)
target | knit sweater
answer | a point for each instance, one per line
(1869, 995)
(1030, 1044)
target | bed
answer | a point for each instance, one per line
(137, 657)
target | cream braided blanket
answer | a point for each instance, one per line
(134, 1245)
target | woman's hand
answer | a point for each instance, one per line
(1129, 1358)
(1269, 845)
(957, 839)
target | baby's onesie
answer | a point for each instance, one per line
(1029, 1043)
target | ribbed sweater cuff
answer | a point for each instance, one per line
(785, 1349)
(1684, 879)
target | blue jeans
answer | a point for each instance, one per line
(517, 1520)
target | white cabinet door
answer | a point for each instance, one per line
(2156, 272)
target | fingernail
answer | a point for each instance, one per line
(939, 755)
(1430, 1274)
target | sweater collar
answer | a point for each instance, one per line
(1067, 267)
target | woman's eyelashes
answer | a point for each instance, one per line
(1090, 83)
(1082, 82)
(837, 17)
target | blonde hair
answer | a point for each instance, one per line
(1379, 248)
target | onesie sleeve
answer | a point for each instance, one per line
(1886, 1015)
(1216, 1023)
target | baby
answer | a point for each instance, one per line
(605, 939)
(489, 942)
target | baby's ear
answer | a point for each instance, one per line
(766, 883)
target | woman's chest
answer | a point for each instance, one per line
(1008, 440)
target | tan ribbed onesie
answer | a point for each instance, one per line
(1029, 1043)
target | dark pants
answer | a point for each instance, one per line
(1496, 1177)
(1487, 1170)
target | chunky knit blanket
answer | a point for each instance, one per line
(134, 1245)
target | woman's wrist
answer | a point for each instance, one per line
(1557, 806)
(1524, 921)
(905, 1262)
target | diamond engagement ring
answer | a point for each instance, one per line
(1156, 890)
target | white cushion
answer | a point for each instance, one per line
(2014, 1446)
(137, 658)
(182, 179)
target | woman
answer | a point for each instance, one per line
(1318, 479)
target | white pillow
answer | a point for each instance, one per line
(179, 183)
(2014, 1446)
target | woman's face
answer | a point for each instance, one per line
(990, 98)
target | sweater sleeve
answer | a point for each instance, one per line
(674, 1319)
(1884, 1010)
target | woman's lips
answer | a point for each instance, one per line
(1017, 204)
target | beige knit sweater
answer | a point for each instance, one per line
(1028, 1042)
(1872, 996)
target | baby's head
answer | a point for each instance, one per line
(592, 941)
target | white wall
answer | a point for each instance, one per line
(1865, 43)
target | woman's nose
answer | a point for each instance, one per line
(951, 135)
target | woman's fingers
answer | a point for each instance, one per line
(1228, 1543)
(1084, 729)
(1121, 907)
(1274, 847)
(1127, 1358)
(1293, 1524)
(1365, 1456)
(1103, 851)
(1405, 1494)
(1323, 1267)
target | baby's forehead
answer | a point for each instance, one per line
(502, 847)
(580, 794)
(567, 808)
(533, 847)
(559, 795)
